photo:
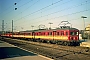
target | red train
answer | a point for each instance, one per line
(64, 35)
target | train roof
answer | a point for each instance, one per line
(55, 29)
(39, 30)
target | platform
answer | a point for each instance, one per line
(85, 43)
(10, 52)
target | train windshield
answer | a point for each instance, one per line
(73, 33)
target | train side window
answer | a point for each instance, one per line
(62, 33)
(44, 33)
(50, 33)
(57, 33)
(66, 33)
(39, 33)
(28, 33)
(36, 33)
(20, 33)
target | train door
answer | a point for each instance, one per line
(33, 35)
(54, 34)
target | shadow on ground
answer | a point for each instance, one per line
(11, 52)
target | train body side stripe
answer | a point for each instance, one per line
(44, 37)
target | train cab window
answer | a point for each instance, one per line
(71, 33)
(76, 33)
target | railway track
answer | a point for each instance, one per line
(53, 51)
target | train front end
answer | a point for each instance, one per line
(74, 36)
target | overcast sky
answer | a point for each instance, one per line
(35, 12)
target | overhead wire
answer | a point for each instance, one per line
(52, 12)
(60, 10)
(5, 11)
(62, 16)
(27, 7)
(63, 10)
(8, 9)
(19, 7)
(57, 11)
(40, 9)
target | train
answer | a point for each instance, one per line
(64, 35)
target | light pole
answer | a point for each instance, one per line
(83, 20)
(84, 24)
(2, 27)
(12, 28)
(12, 20)
(50, 24)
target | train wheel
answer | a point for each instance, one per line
(65, 43)
(59, 43)
(44, 41)
(68, 43)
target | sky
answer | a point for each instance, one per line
(42, 12)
